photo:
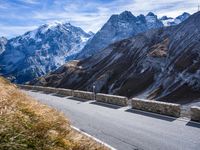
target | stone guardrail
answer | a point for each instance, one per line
(83, 94)
(28, 87)
(65, 92)
(157, 107)
(112, 99)
(145, 105)
(195, 113)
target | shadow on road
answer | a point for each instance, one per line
(33, 90)
(106, 105)
(193, 124)
(58, 95)
(77, 99)
(153, 115)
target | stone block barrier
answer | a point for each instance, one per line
(83, 95)
(169, 109)
(195, 113)
(112, 99)
(39, 88)
(163, 108)
(65, 92)
(47, 89)
(28, 87)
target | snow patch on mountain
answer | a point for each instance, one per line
(169, 21)
(42, 50)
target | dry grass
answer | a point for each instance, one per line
(25, 124)
(160, 49)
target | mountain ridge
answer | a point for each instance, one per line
(123, 26)
(37, 52)
(46, 48)
(160, 64)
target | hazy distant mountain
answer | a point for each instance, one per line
(39, 51)
(163, 64)
(169, 21)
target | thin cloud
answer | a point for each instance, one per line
(89, 15)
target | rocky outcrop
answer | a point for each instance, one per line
(120, 27)
(3, 42)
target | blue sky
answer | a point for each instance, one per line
(19, 16)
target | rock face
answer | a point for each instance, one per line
(120, 27)
(3, 42)
(37, 52)
(169, 21)
(162, 64)
(126, 25)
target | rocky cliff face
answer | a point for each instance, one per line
(161, 64)
(3, 42)
(37, 52)
(119, 27)
(169, 21)
(126, 25)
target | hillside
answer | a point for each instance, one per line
(160, 64)
(27, 124)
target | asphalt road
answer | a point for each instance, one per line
(123, 128)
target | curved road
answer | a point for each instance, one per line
(123, 128)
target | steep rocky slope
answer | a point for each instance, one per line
(169, 21)
(163, 64)
(3, 42)
(126, 25)
(119, 27)
(39, 51)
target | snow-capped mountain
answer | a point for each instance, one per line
(120, 27)
(3, 42)
(169, 21)
(162, 64)
(42, 50)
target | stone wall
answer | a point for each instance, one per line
(112, 99)
(195, 113)
(28, 87)
(65, 92)
(157, 107)
(145, 105)
(84, 94)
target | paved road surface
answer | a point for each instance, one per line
(126, 130)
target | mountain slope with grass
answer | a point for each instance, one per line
(27, 124)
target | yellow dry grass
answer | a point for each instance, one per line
(25, 124)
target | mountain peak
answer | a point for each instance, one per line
(151, 14)
(126, 13)
(185, 13)
(165, 18)
(184, 16)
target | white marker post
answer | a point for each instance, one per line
(94, 91)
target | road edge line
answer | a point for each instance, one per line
(94, 138)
